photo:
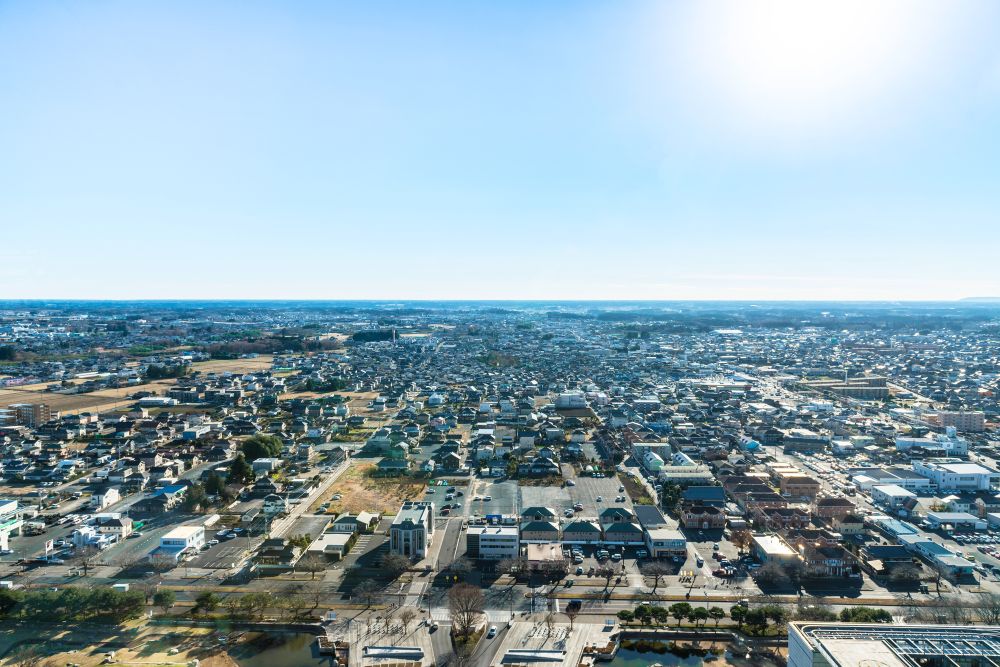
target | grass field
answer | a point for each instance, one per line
(360, 492)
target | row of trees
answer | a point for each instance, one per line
(681, 611)
(71, 604)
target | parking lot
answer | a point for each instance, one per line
(503, 497)
(585, 491)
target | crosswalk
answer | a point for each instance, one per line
(441, 614)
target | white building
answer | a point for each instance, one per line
(571, 400)
(105, 498)
(946, 444)
(891, 496)
(177, 542)
(956, 475)
(812, 644)
(666, 543)
(492, 542)
(10, 521)
(412, 530)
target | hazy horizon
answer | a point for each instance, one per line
(634, 150)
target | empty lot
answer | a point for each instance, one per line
(360, 492)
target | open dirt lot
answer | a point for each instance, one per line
(110, 399)
(261, 363)
(363, 493)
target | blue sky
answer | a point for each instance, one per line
(775, 149)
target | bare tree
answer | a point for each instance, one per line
(28, 657)
(607, 572)
(550, 621)
(465, 603)
(742, 538)
(395, 564)
(657, 571)
(988, 607)
(572, 611)
(406, 615)
(313, 563)
(367, 590)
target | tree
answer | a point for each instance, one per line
(607, 573)
(626, 615)
(367, 590)
(9, 599)
(215, 486)
(395, 564)
(738, 613)
(989, 608)
(814, 613)
(262, 446)
(680, 611)
(643, 613)
(716, 614)
(465, 603)
(660, 615)
(459, 569)
(572, 611)
(905, 575)
(657, 571)
(240, 471)
(164, 599)
(865, 615)
(773, 573)
(550, 622)
(742, 538)
(206, 602)
(194, 498)
(756, 619)
(313, 563)
(698, 615)
(406, 615)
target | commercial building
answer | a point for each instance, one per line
(10, 521)
(412, 531)
(892, 496)
(768, 548)
(866, 478)
(946, 444)
(952, 474)
(177, 542)
(961, 521)
(851, 644)
(666, 543)
(492, 542)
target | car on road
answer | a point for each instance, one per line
(599, 499)
(431, 491)
(460, 493)
(487, 499)
(336, 496)
(641, 553)
(212, 543)
(620, 499)
(616, 557)
(578, 559)
(715, 547)
(578, 507)
(477, 498)
(579, 571)
(492, 632)
(568, 513)
(620, 489)
(137, 533)
(570, 482)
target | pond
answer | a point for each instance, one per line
(278, 650)
(685, 657)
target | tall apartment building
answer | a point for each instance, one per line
(30, 414)
(964, 422)
(412, 530)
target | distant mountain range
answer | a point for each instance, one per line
(982, 299)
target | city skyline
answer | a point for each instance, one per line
(572, 151)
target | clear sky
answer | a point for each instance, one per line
(779, 149)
